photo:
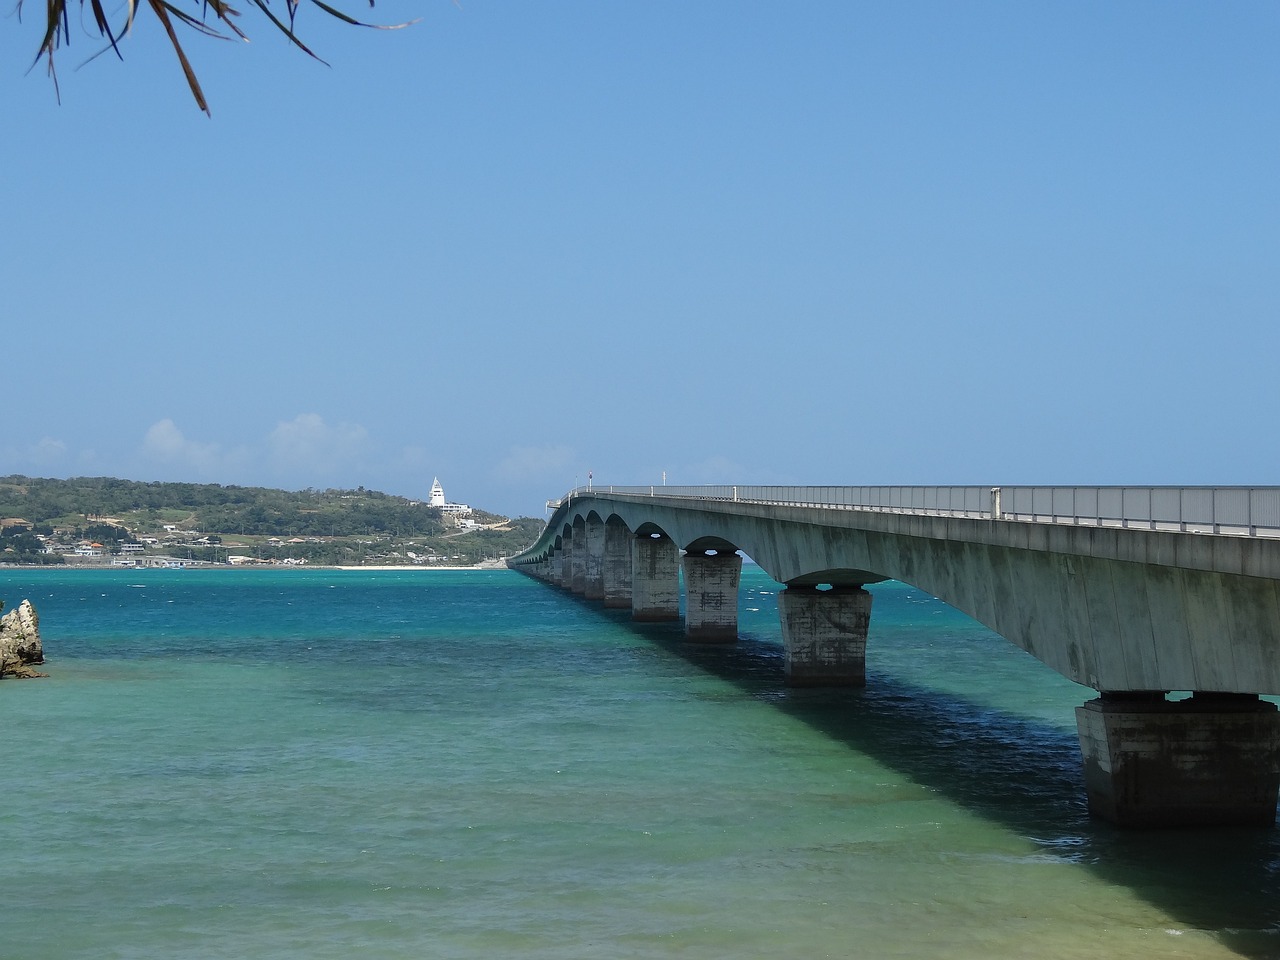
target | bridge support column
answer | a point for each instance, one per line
(711, 596)
(824, 636)
(616, 572)
(1213, 759)
(655, 579)
(593, 561)
(566, 566)
(578, 558)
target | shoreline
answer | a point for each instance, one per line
(406, 566)
(247, 566)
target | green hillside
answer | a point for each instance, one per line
(214, 522)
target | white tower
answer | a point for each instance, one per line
(437, 493)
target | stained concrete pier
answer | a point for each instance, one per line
(711, 595)
(1208, 759)
(617, 565)
(824, 635)
(655, 584)
(593, 563)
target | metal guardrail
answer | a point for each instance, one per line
(1238, 511)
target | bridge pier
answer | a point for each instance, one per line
(616, 566)
(577, 545)
(1212, 759)
(593, 562)
(824, 635)
(711, 596)
(655, 579)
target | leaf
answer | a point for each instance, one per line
(287, 31)
(57, 31)
(104, 26)
(359, 23)
(162, 11)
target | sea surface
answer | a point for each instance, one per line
(435, 764)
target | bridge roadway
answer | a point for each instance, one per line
(1136, 592)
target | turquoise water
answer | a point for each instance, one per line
(323, 764)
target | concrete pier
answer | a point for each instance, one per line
(655, 578)
(593, 565)
(824, 636)
(1213, 759)
(616, 570)
(711, 596)
(578, 557)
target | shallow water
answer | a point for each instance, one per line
(318, 763)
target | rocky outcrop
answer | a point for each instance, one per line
(20, 645)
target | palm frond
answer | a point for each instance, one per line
(162, 9)
(57, 29)
(360, 23)
(286, 30)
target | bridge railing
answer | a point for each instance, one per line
(1240, 511)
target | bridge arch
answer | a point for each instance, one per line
(837, 578)
(711, 544)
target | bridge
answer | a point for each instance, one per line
(1164, 600)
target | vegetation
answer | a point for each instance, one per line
(18, 545)
(213, 522)
(171, 15)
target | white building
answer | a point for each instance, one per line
(446, 508)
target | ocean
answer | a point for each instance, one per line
(472, 764)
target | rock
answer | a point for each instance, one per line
(20, 642)
(19, 671)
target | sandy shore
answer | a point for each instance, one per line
(408, 566)
(236, 566)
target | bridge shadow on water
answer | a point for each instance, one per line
(1023, 775)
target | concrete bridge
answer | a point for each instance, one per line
(1135, 592)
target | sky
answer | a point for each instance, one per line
(736, 242)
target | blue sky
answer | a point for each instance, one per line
(753, 242)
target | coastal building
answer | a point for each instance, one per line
(437, 500)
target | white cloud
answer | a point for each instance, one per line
(43, 456)
(48, 450)
(414, 458)
(166, 444)
(536, 463)
(307, 444)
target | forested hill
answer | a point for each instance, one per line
(213, 507)
(370, 522)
